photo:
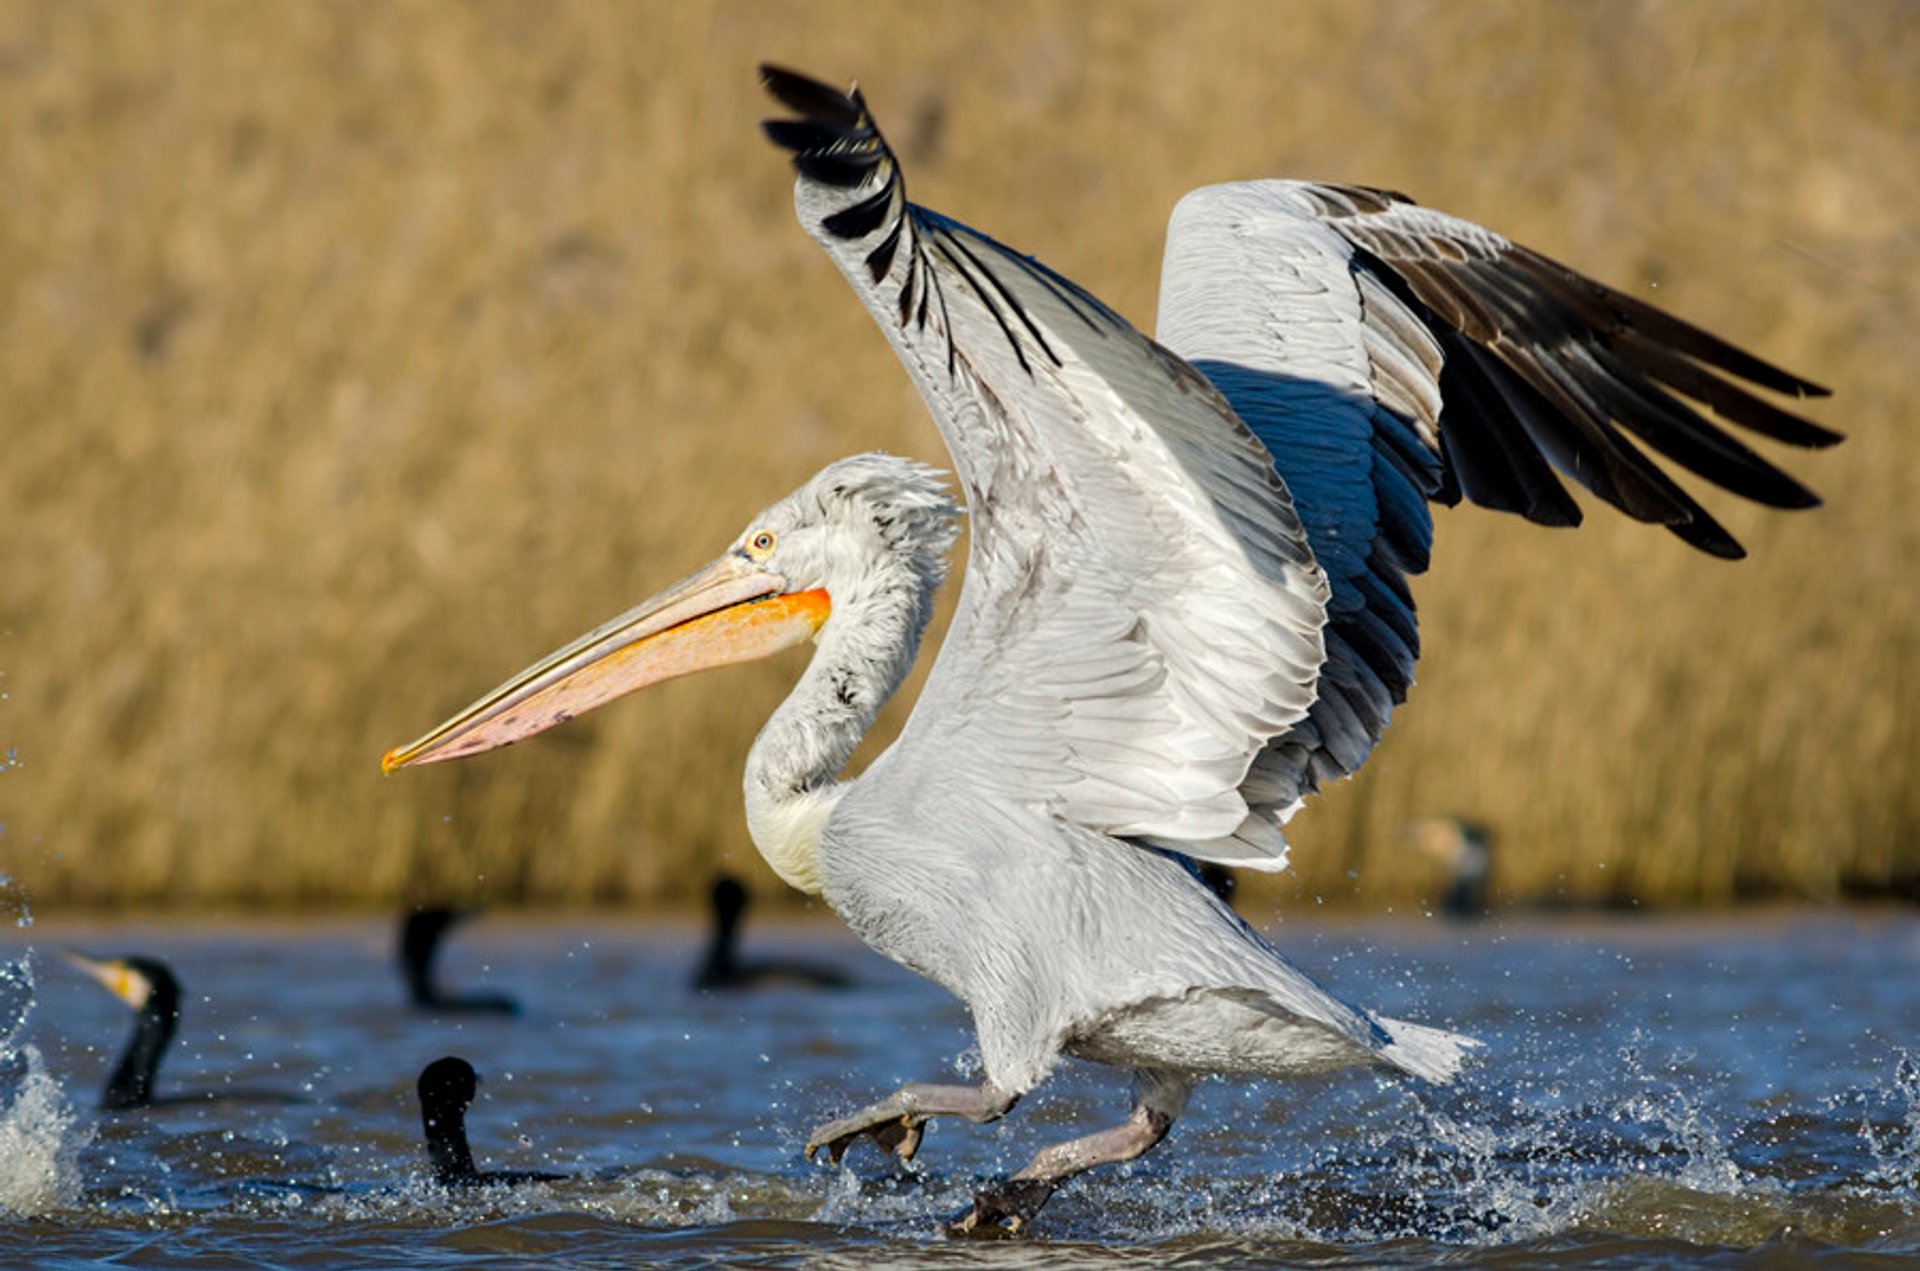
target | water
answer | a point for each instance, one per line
(1653, 1091)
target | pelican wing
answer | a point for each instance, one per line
(1391, 356)
(1141, 612)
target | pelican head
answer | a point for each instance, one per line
(858, 526)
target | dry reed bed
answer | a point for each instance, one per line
(356, 354)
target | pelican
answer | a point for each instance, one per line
(1185, 605)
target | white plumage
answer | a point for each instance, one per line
(1185, 603)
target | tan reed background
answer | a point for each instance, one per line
(357, 353)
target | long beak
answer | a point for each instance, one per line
(115, 976)
(728, 612)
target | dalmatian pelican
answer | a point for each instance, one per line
(1185, 605)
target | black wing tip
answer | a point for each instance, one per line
(1811, 435)
(834, 140)
(811, 98)
(1767, 375)
(1716, 542)
(1796, 498)
(1758, 370)
(1697, 528)
(1771, 422)
(1720, 548)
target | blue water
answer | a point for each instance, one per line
(1659, 1091)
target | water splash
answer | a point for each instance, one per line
(40, 1144)
(1895, 1144)
(1768, 1110)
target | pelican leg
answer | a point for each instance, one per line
(1003, 1209)
(896, 1122)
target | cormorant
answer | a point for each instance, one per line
(447, 1087)
(149, 987)
(1466, 849)
(722, 966)
(420, 934)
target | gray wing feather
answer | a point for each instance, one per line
(1391, 356)
(1139, 638)
(1141, 611)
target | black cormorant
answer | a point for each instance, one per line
(149, 987)
(446, 1087)
(723, 968)
(420, 934)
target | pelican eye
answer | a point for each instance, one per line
(760, 546)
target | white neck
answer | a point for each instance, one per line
(863, 652)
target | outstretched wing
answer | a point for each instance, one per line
(1141, 612)
(1390, 356)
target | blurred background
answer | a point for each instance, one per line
(357, 354)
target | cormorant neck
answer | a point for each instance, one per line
(446, 1128)
(722, 959)
(419, 944)
(131, 1085)
(420, 989)
(862, 653)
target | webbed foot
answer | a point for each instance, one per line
(1005, 1208)
(898, 1133)
(897, 1121)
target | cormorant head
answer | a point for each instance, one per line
(145, 984)
(729, 899)
(447, 1087)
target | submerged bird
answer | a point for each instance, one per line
(722, 967)
(1185, 605)
(149, 987)
(1466, 849)
(421, 931)
(447, 1087)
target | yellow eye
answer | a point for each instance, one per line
(760, 546)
